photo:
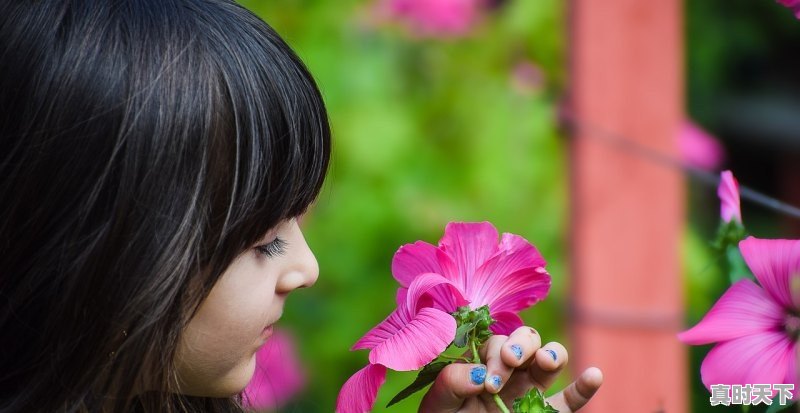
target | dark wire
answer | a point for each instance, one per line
(578, 127)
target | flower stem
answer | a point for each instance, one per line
(499, 402)
(476, 358)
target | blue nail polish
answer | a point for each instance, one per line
(496, 381)
(553, 354)
(478, 374)
(517, 350)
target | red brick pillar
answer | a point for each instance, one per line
(626, 59)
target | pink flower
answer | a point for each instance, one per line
(433, 18)
(756, 328)
(792, 4)
(278, 375)
(468, 267)
(698, 148)
(728, 192)
(409, 338)
(359, 392)
(508, 277)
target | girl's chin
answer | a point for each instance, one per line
(240, 380)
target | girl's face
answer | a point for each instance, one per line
(216, 353)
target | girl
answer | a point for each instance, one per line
(154, 156)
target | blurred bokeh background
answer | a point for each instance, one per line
(454, 116)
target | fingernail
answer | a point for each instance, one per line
(552, 354)
(496, 382)
(478, 374)
(517, 350)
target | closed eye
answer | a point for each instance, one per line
(273, 248)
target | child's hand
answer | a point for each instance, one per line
(514, 364)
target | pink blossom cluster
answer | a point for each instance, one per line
(433, 18)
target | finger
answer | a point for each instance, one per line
(497, 372)
(547, 365)
(577, 394)
(482, 350)
(455, 383)
(520, 347)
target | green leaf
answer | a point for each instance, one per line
(532, 402)
(775, 407)
(462, 333)
(737, 268)
(425, 377)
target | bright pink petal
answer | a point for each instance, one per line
(698, 148)
(427, 290)
(414, 259)
(417, 342)
(513, 279)
(745, 309)
(384, 330)
(728, 192)
(793, 372)
(360, 391)
(278, 376)
(402, 296)
(505, 323)
(434, 18)
(776, 265)
(516, 291)
(449, 268)
(433, 290)
(758, 358)
(469, 244)
(521, 253)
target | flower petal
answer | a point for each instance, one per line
(414, 259)
(384, 330)
(358, 394)
(793, 373)
(427, 290)
(505, 285)
(469, 244)
(505, 322)
(278, 375)
(728, 192)
(521, 253)
(433, 290)
(699, 148)
(744, 309)
(402, 296)
(776, 265)
(757, 358)
(417, 342)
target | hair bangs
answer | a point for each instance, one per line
(273, 136)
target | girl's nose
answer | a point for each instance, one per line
(302, 270)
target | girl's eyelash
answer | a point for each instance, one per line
(273, 248)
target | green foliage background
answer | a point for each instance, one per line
(428, 131)
(425, 132)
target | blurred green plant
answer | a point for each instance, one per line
(425, 132)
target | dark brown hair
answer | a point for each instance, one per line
(144, 144)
